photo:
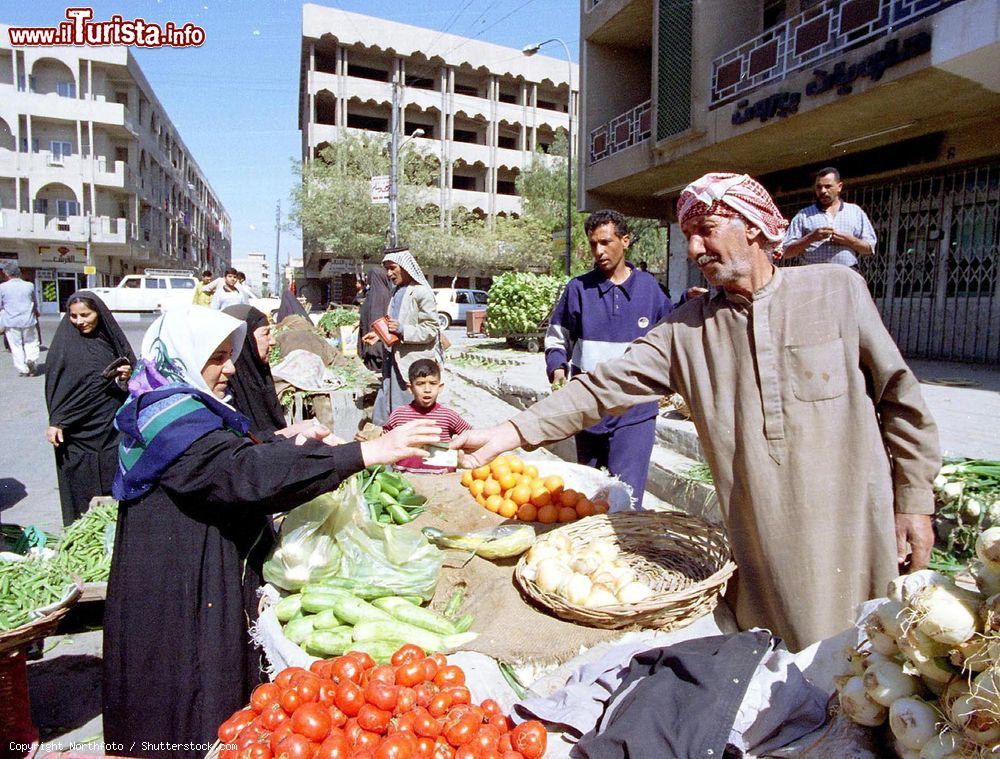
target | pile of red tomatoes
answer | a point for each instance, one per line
(417, 707)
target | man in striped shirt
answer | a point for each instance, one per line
(830, 231)
(424, 382)
(598, 315)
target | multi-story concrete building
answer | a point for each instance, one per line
(257, 269)
(481, 108)
(900, 95)
(89, 160)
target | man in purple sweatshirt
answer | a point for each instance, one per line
(596, 318)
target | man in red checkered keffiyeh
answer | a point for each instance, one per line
(734, 195)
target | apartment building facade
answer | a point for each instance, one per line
(900, 95)
(89, 160)
(257, 269)
(482, 109)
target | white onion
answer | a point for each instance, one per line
(551, 575)
(856, 705)
(951, 491)
(912, 721)
(904, 587)
(988, 548)
(946, 745)
(886, 683)
(606, 549)
(931, 667)
(987, 578)
(576, 589)
(883, 627)
(586, 563)
(871, 658)
(855, 661)
(562, 542)
(989, 612)
(972, 656)
(948, 615)
(986, 687)
(634, 592)
(541, 550)
(977, 724)
(600, 595)
(957, 687)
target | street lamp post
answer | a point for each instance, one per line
(530, 50)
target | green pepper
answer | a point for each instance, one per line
(399, 514)
(387, 487)
(374, 489)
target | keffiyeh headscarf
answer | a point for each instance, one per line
(406, 261)
(734, 195)
(170, 406)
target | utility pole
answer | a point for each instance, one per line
(393, 161)
(277, 251)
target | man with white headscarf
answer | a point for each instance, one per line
(412, 318)
(821, 448)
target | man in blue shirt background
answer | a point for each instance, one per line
(598, 315)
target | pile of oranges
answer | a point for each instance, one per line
(509, 487)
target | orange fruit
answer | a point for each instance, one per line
(481, 501)
(600, 506)
(467, 477)
(548, 514)
(492, 487)
(515, 464)
(521, 495)
(568, 498)
(527, 512)
(494, 502)
(499, 468)
(541, 497)
(585, 508)
(507, 492)
(508, 510)
(566, 514)
(530, 471)
(476, 488)
(507, 481)
(481, 473)
(554, 483)
(517, 476)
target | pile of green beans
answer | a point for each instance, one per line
(81, 551)
(29, 585)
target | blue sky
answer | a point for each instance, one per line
(234, 100)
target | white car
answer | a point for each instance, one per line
(150, 292)
(453, 304)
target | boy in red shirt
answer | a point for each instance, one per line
(425, 385)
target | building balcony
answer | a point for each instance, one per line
(44, 167)
(41, 227)
(626, 130)
(827, 28)
(481, 201)
(53, 106)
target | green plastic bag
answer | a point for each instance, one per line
(306, 550)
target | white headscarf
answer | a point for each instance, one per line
(189, 336)
(407, 262)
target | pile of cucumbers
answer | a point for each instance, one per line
(338, 614)
(390, 498)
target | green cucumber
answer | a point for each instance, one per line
(387, 487)
(328, 642)
(399, 514)
(415, 615)
(319, 600)
(463, 624)
(299, 629)
(288, 607)
(394, 629)
(373, 490)
(325, 620)
(380, 650)
(354, 610)
(362, 590)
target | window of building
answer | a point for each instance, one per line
(371, 123)
(24, 145)
(506, 97)
(465, 89)
(420, 82)
(66, 89)
(775, 11)
(463, 135)
(506, 187)
(507, 142)
(60, 149)
(66, 208)
(548, 105)
(366, 72)
(463, 183)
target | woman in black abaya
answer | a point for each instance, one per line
(252, 387)
(374, 306)
(82, 402)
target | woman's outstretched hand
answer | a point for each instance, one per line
(480, 447)
(54, 435)
(402, 442)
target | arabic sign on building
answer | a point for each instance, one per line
(62, 254)
(841, 77)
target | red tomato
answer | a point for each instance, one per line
(504, 744)
(477, 711)
(363, 754)
(402, 724)
(362, 658)
(511, 755)
(351, 731)
(334, 747)
(425, 692)
(321, 668)
(346, 668)
(370, 717)
(439, 658)
(249, 735)
(256, 751)
(443, 749)
(367, 740)
(307, 686)
(529, 738)
(424, 723)
(290, 700)
(406, 701)
(486, 737)
(406, 654)
(284, 679)
(381, 695)
(460, 694)
(440, 704)
(273, 716)
(449, 675)
(349, 698)
(383, 674)
(465, 752)
(425, 747)
(263, 696)
(295, 746)
(431, 668)
(281, 732)
(411, 673)
(327, 690)
(313, 721)
(227, 731)
(491, 707)
(499, 721)
(228, 753)
(489, 753)
(398, 746)
(337, 717)
(462, 730)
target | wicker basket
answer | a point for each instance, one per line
(44, 625)
(685, 560)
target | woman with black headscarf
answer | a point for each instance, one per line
(374, 306)
(252, 386)
(83, 391)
